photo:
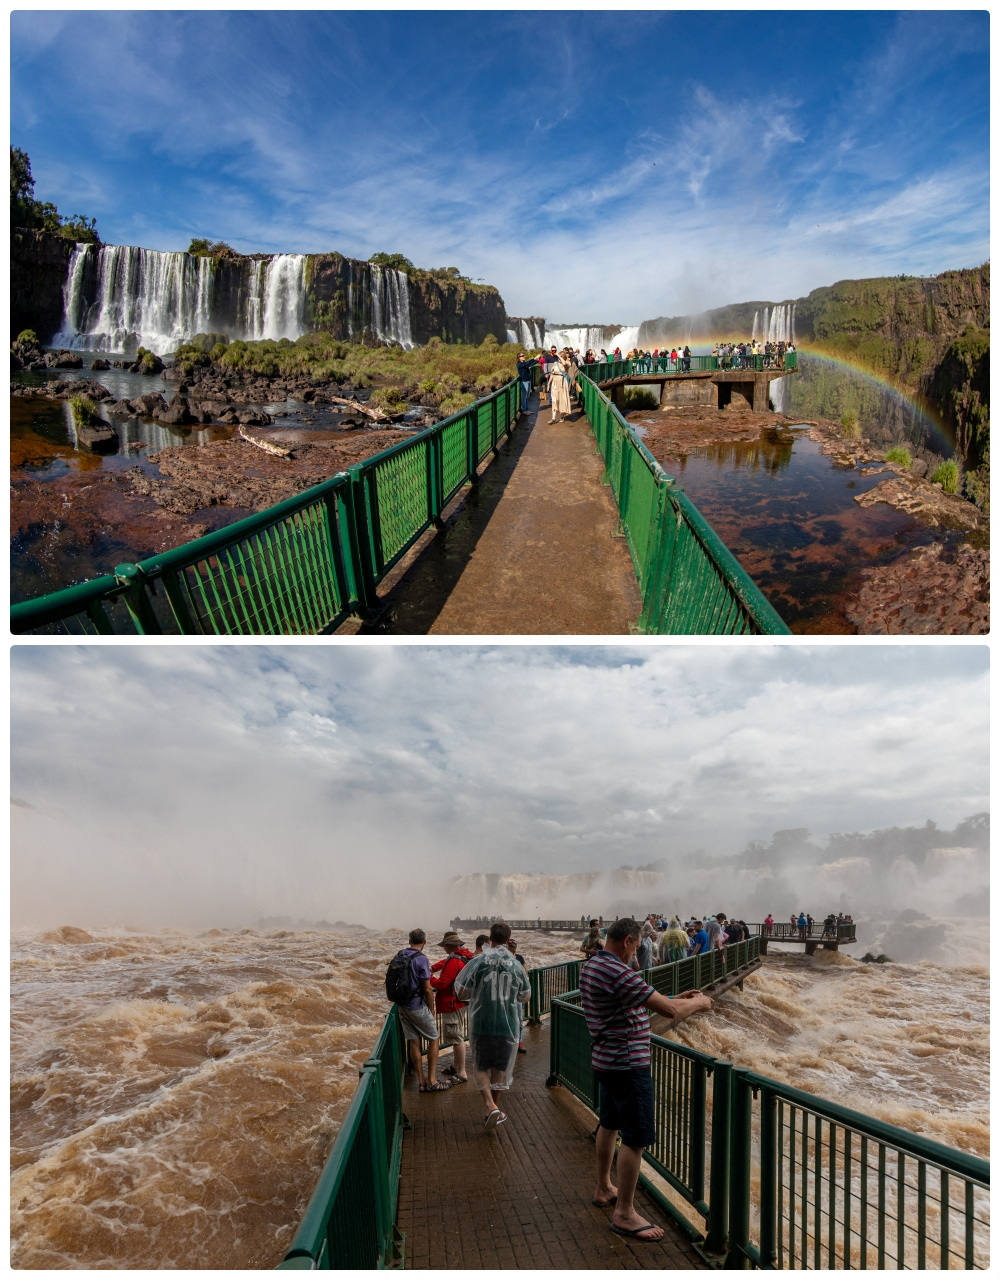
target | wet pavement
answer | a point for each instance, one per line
(519, 1196)
(534, 550)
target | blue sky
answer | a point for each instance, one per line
(597, 167)
(350, 780)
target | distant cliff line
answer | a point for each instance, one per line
(344, 297)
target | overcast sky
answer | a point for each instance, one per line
(203, 785)
(596, 166)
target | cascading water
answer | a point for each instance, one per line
(381, 306)
(775, 324)
(141, 298)
(118, 297)
(282, 293)
(593, 337)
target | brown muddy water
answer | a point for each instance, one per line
(175, 1095)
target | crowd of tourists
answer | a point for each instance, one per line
(801, 924)
(663, 941)
(492, 983)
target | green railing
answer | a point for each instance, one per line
(350, 1222)
(691, 583)
(607, 370)
(793, 1182)
(300, 567)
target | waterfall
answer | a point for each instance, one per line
(776, 324)
(144, 297)
(391, 305)
(280, 289)
(584, 338)
(381, 305)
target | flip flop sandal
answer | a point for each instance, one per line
(635, 1233)
(493, 1119)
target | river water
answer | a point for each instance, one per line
(175, 1095)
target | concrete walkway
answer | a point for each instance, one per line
(521, 1195)
(533, 550)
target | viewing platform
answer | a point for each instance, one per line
(744, 1172)
(705, 381)
(812, 939)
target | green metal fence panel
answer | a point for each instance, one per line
(300, 567)
(350, 1220)
(87, 609)
(691, 583)
(840, 1190)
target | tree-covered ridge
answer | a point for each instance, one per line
(42, 215)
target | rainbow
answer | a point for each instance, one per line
(928, 417)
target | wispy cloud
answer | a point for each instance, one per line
(529, 150)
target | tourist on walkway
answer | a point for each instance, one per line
(495, 985)
(591, 943)
(615, 1000)
(673, 943)
(524, 367)
(416, 1009)
(443, 975)
(559, 387)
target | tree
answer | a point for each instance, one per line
(22, 189)
(394, 261)
(26, 211)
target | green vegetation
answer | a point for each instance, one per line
(899, 453)
(394, 261)
(850, 424)
(206, 249)
(639, 398)
(442, 375)
(27, 336)
(84, 409)
(41, 215)
(946, 475)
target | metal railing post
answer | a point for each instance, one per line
(737, 1258)
(132, 578)
(717, 1233)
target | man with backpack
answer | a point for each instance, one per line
(408, 985)
(443, 975)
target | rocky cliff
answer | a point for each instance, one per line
(927, 336)
(38, 262)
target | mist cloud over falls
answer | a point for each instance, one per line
(204, 786)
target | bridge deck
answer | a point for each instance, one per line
(518, 1197)
(535, 552)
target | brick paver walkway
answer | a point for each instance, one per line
(519, 1196)
(535, 550)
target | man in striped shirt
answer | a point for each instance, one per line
(615, 1000)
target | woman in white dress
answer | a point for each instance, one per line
(558, 389)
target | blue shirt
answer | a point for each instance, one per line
(421, 968)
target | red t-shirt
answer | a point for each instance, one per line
(443, 975)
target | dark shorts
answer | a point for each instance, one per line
(494, 1052)
(626, 1104)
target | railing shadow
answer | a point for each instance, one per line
(413, 601)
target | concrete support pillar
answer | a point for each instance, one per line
(618, 396)
(761, 383)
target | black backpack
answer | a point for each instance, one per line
(400, 984)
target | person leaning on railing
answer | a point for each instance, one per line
(615, 1001)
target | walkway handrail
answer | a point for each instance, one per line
(607, 370)
(350, 1222)
(691, 583)
(793, 1181)
(742, 1171)
(301, 566)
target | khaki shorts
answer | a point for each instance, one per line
(452, 1027)
(418, 1023)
